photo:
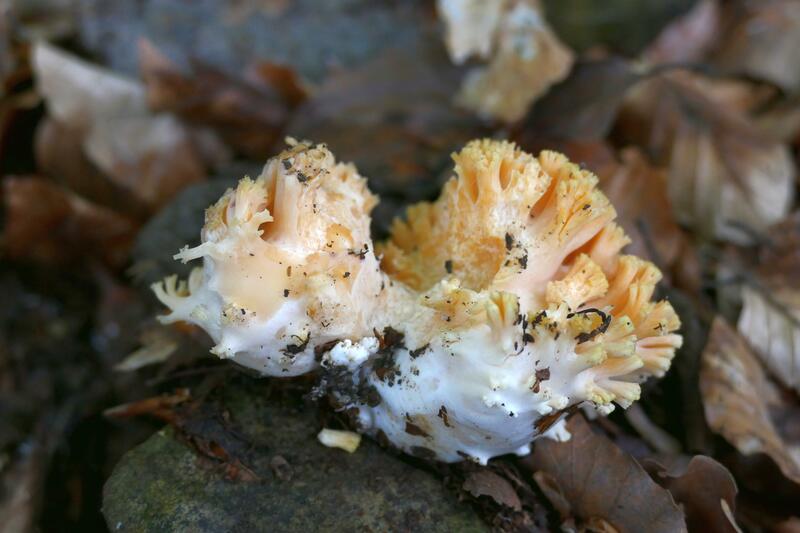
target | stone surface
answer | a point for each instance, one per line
(163, 485)
(312, 36)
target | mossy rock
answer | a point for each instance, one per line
(164, 485)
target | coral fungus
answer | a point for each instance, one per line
(483, 319)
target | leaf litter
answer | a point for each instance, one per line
(693, 130)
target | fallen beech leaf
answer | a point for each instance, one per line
(658, 439)
(792, 525)
(23, 477)
(157, 346)
(689, 37)
(737, 397)
(8, 61)
(638, 191)
(162, 407)
(585, 104)
(59, 155)
(151, 156)
(620, 25)
(47, 223)
(725, 180)
(248, 114)
(552, 491)
(527, 59)
(701, 490)
(484, 482)
(470, 27)
(601, 482)
(761, 40)
(780, 120)
(770, 316)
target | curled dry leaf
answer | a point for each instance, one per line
(247, 113)
(584, 106)
(470, 27)
(689, 37)
(770, 316)
(780, 120)
(737, 397)
(150, 156)
(761, 40)
(7, 56)
(158, 344)
(621, 25)
(704, 491)
(59, 155)
(725, 180)
(526, 55)
(791, 525)
(638, 191)
(47, 223)
(603, 483)
(162, 407)
(484, 482)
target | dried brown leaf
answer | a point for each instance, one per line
(470, 27)
(527, 55)
(620, 25)
(761, 40)
(248, 112)
(585, 104)
(59, 155)
(47, 223)
(21, 487)
(770, 316)
(552, 491)
(737, 398)
(150, 156)
(484, 482)
(158, 344)
(603, 483)
(791, 525)
(780, 120)
(701, 491)
(724, 179)
(638, 192)
(162, 407)
(689, 37)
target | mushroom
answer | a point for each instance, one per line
(493, 312)
(288, 265)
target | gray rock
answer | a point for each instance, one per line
(163, 485)
(312, 36)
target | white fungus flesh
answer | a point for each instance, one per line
(487, 316)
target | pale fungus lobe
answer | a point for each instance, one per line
(486, 317)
